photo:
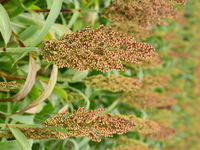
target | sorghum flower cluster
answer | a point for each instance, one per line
(6, 86)
(142, 125)
(113, 83)
(80, 123)
(146, 99)
(151, 62)
(100, 49)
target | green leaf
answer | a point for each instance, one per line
(21, 9)
(35, 91)
(46, 93)
(30, 80)
(21, 49)
(60, 29)
(21, 139)
(24, 119)
(5, 27)
(87, 4)
(28, 32)
(79, 76)
(21, 56)
(75, 14)
(11, 145)
(60, 92)
(55, 10)
(140, 74)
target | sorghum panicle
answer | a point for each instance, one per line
(164, 133)
(113, 83)
(134, 30)
(6, 86)
(146, 99)
(143, 125)
(144, 13)
(90, 124)
(151, 62)
(100, 49)
(80, 123)
(157, 80)
(72, 97)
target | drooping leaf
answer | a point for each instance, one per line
(48, 90)
(28, 84)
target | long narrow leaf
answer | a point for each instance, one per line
(21, 49)
(46, 93)
(11, 145)
(87, 4)
(5, 27)
(26, 4)
(28, 84)
(55, 10)
(75, 15)
(20, 137)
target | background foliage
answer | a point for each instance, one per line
(164, 107)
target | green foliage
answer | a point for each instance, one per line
(161, 92)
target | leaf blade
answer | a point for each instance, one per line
(5, 27)
(21, 139)
(50, 20)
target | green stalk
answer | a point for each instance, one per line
(111, 107)
(86, 99)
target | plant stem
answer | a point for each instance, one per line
(48, 10)
(111, 107)
(86, 99)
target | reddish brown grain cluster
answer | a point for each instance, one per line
(80, 123)
(164, 133)
(134, 30)
(42, 133)
(140, 15)
(144, 13)
(143, 125)
(147, 99)
(157, 80)
(100, 49)
(90, 124)
(152, 62)
(113, 83)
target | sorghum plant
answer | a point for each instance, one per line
(100, 49)
(80, 123)
(142, 125)
(140, 14)
(113, 83)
